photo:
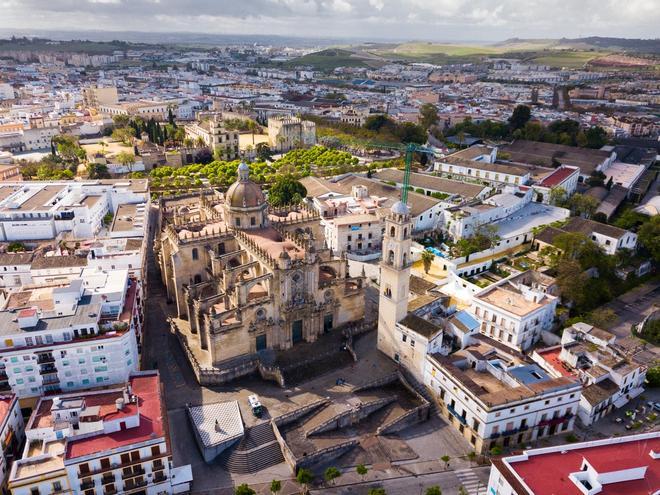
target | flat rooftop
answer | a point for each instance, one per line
(38, 200)
(508, 298)
(548, 473)
(146, 386)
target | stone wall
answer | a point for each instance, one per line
(417, 415)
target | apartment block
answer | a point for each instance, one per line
(494, 397)
(41, 211)
(611, 376)
(64, 336)
(11, 434)
(106, 442)
(517, 309)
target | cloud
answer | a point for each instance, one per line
(445, 20)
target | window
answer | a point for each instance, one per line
(155, 451)
(412, 343)
(135, 455)
(238, 222)
(404, 337)
(84, 468)
(57, 486)
(253, 221)
(34, 491)
(195, 253)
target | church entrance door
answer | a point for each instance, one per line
(297, 331)
(261, 342)
(327, 323)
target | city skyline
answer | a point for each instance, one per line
(443, 20)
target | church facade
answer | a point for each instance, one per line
(247, 277)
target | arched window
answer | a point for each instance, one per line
(390, 257)
(392, 232)
(405, 232)
(253, 221)
(195, 254)
(221, 248)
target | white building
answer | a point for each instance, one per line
(158, 110)
(627, 464)
(64, 336)
(11, 434)
(482, 170)
(609, 375)
(494, 398)
(515, 311)
(39, 211)
(113, 441)
(564, 177)
(609, 238)
(6, 91)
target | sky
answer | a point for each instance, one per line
(441, 20)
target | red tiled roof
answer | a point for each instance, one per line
(547, 474)
(5, 406)
(24, 313)
(557, 177)
(551, 356)
(147, 388)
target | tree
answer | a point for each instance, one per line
(170, 117)
(362, 470)
(649, 237)
(520, 116)
(121, 120)
(497, 450)
(433, 490)
(124, 134)
(428, 115)
(596, 179)
(596, 137)
(558, 196)
(244, 489)
(126, 160)
(427, 260)
(445, 458)
(377, 491)
(331, 474)
(275, 486)
(572, 281)
(462, 490)
(583, 205)
(472, 455)
(601, 317)
(653, 376)
(377, 122)
(304, 477)
(411, 133)
(285, 191)
(263, 151)
(97, 171)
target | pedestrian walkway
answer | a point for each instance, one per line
(471, 482)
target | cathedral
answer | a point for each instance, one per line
(246, 277)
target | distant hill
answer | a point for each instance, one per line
(630, 45)
(331, 58)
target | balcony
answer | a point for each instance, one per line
(137, 471)
(107, 478)
(47, 369)
(494, 435)
(159, 478)
(456, 415)
(110, 490)
(132, 485)
(508, 433)
(157, 465)
(45, 359)
(86, 485)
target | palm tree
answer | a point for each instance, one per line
(275, 486)
(427, 259)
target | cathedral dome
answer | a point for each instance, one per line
(399, 208)
(244, 193)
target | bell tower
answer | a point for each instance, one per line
(394, 276)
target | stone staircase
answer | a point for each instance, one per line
(257, 450)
